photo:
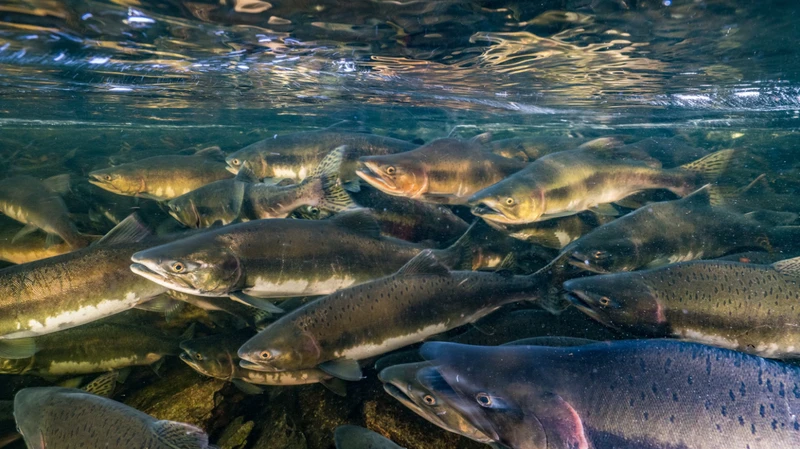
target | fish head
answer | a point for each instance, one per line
(31, 414)
(250, 158)
(184, 209)
(400, 381)
(207, 359)
(621, 300)
(119, 180)
(601, 253)
(202, 264)
(282, 346)
(467, 379)
(507, 204)
(394, 174)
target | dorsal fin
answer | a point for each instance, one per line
(246, 174)
(179, 435)
(359, 221)
(129, 230)
(424, 263)
(483, 138)
(103, 385)
(57, 184)
(788, 267)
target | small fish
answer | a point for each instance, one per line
(421, 300)
(162, 178)
(626, 394)
(215, 356)
(400, 217)
(746, 307)
(65, 291)
(694, 227)
(244, 198)
(38, 205)
(569, 182)
(445, 171)
(354, 437)
(280, 258)
(55, 417)
(294, 156)
(85, 350)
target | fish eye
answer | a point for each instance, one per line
(314, 210)
(430, 400)
(265, 355)
(600, 254)
(107, 177)
(510, 201)
(484, 399)
(178, 267)
(198, 356)
(604, 301)
(390, 170)
(235, 161)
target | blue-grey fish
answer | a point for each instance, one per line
(641, 394)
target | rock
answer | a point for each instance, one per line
(179, 395)
(235, 435)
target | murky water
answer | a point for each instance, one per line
(654, 99)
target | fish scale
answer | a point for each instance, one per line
(622, 395)
(420, 300)
(748, 307)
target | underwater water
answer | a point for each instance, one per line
(525, 224)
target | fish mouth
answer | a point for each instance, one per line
(232, 169)
(246, 364)
(398, 393)
(491, 213)
(369, 172)
(162, 279)
(583, 302)
(578, 260)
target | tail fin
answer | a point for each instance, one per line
(458, 256)
(334, 198)
(711, 166)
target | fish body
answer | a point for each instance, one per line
(215, 356)
(38, 204)
(401, 217)
(569, 182)
(86, 349)
(276, 258)
(421, 300)
(76, 288)
(619, 395)
(160, 177)
(445, 171)
(295, 156)
(556, 233)
(354, 437)
(244, 198)
(668, 232)
(66, 418)
(29, 247)
(747, 307)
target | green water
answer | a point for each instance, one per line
(86, 85)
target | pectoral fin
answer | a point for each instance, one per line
(258, 303)
(345, 369)
(18, 348)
